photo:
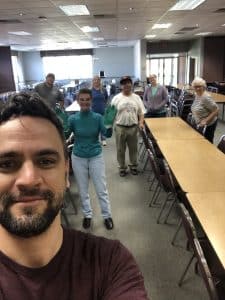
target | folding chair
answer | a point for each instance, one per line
(221, 144)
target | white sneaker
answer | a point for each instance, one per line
(104, 143)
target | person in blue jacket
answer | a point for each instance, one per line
(99, 100)
(87, 158)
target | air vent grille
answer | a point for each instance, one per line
(220, 10)
(188, 28)
(104, 16)
(10, 21)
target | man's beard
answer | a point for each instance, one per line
(31, 223)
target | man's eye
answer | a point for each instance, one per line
(46, 162)
(8, 165)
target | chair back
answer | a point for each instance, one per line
(204, 270)
(221, 144)
(145, 138)
(154, 165)
(170, 177)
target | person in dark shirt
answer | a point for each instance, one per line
(38, 258)
(99, 100)
(49, 92)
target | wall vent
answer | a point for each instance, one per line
(104, 16)
(220, 10)
(188, 28)
(10, 21)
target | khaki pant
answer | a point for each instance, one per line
(126, 136)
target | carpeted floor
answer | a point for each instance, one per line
(136, 227)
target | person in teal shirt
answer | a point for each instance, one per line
(87, 158)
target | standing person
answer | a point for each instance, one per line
(39, 259)
(130, 115)
(99, 100)
(49, 92)
(204, 109)
(155, 98)
(87, 158)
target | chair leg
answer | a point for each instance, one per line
(153, 180)
(169, 211)
(180, 282)
(72, 200)
(64, 216)
(176, 233)
(162, 208)
(154, 202)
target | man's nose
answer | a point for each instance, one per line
(29, 175)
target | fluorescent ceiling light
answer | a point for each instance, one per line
(161, 26)
(89, 29)
(186, 4)
(98, 39)
(203, 33)
(223, 25)
(75, 10)
(150, 36)
(19, 33)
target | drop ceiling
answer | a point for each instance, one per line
(121, 23)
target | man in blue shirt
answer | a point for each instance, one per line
(87, 158)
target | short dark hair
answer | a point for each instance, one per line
(24, 104)
(50, 75)
(125, 79)
(84, 91)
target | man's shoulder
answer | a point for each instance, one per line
(90, 243)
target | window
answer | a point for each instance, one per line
(69, 67)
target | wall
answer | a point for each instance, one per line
(214, 59)
(197, 52)
(6, 72)
(115, 62)
(137, 60)
(32, 66)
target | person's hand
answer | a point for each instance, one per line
(141, 126)
(203, 123)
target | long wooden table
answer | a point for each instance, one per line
(210, 211)
(171, 128)
(197, 164)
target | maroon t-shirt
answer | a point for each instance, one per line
(85, 268)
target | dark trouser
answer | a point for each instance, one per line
(155, 114)
(209, 132)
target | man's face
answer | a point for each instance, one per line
(50, 80)
(152, 79)
(33, 175)
(96, 82)
(127, 88)
(84, 101)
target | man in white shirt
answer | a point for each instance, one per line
(130, 116)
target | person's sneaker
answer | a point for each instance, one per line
(86, 223)
(123, 173)
(108, 223)
(134, 171)
(104, 143)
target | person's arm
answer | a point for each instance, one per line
(210, 117)
(107, 132)
(210, 104)
(60, 99)
(164, 99)
(123, 280)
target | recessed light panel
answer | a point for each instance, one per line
(19, 33)
(75, 10)
(89, 29)
(187, 4)
(161, 26)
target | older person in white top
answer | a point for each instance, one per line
(204, 109)
(130, 116)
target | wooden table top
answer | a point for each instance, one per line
(218, 98)
(171, 128)
(197, 164)
(210, 211)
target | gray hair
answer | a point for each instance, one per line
(198, 81)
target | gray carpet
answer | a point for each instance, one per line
(136, 227)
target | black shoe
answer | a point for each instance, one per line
(123, 173)
(134, 171)
(108, 223)
(86, 223)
